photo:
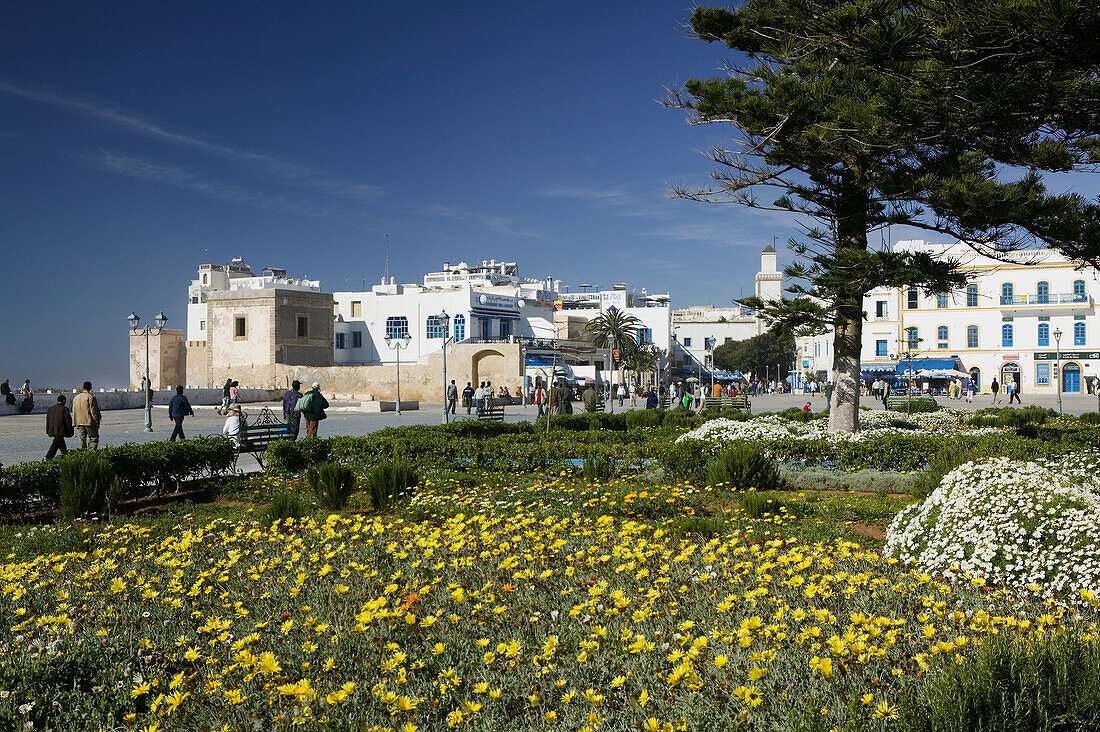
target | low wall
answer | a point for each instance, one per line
(136, 400)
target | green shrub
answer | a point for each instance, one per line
(743, 467)
(641, 419)
(389, 481)
(1010, 417)
(681, 418)
(757, 506)
(685, 461)
(1090, 418)
(284, 457)
(598, 469)
(332, 484)
(1047, 684)
(286, 505)
(950, 456)
(88, 485)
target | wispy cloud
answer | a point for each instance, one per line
(133, 167)
(619, 200)
(498, 224)
(281, 170)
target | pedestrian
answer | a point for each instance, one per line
(178, 409)
(540, 398)
(634, 394)
(232, 426)
(5, 391)
(885, 394)
(651, 399)
(86, 417)
(234, 393)
(487, 395)
(290, 401)
(312, 407)
(479, 396)
(995, 388)
(622, 394)
(452, 397)
(589, 398)
(806, 408)
(970, 391)
(25, 390)
(59, 425)
(224, 408)
(1015, 392)
(468, 397)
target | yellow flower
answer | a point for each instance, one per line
(886, 711)
(643, 698)
(721, 661)
(757, 673)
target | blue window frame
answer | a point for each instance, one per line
(972, 296)
(435, 328)
(1044, 334)
(1006, 293)
(1078, 334)
(913, 338)
(687, 343)
(397, 326)
(913, 299)
(643, 335)
(1042, 292)
(1006, 335)
(357, 339)
(460, 328)
(971, 336)
(880, 349)
(505, 328)
(941, 299)
(1042, 374)
(708, 344)
(1079, 291)
(341, 343)
(941, 337)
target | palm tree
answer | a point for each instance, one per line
(644, 359)
(616, 330)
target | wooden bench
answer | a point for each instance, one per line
(902, 403)
(725, 402)
(255, 438)
(494, 412)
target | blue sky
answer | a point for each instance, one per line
(138, 140)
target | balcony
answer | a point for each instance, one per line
(1054, 299)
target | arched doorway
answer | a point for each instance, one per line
(490, 365)
(1010, 371)
(976, 377)
(1071, 378)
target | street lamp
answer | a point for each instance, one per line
(1057, 364)
(397, 344)
(159, 322)
(444, 318)
(713, 345)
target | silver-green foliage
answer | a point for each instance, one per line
(332, 484)
(88, 485)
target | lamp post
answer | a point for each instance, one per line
(1058, 365)
(713, 345)
(159, 322)
(397, 344)
(446, 320)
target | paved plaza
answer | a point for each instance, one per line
(23, 437)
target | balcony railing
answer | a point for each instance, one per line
(1055, 298)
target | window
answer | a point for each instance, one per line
(460, 328)
(240, 327)
(1006, 335)
(341, 343)
(1044, 334)
(1078, 334)
(941, 337)
(708, 344)
(397, 326)
(971, 336)
(881, 310)
(356, 308)
(1006, 293)
(505, 328)
(817, 350)
(881, 349)
(972, 296)
(728, 340)
(1042, 291)
(436, 328)
(913, 299)
(687, 343)
(303, 326)
(1042, 374)
(644, 335)
(913, 338)
(194, 299)
(941, 299)
(202, 325)
(1079, 291)
(485, 326)
(357, 339)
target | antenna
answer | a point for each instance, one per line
(386, 274)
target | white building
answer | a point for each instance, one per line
(233, 277)
(1004, 324)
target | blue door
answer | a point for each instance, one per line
(1071, 378)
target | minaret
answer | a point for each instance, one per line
(769, 280)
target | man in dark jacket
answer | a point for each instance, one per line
(290, 401)
(59, 425)
(651, 399)
(179, 408)
(468, 397)
(589, 398)
(312, 407)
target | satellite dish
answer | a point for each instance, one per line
(483, 299)
(521, 304)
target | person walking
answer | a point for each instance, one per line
(224, 408)
(589, 398)
(1015, 392)
(540, 399)
(468, 397)
(86, 417)
(178, 409)
(234, 393)
(651, 399)
(292, 417)
(312, 407)
(969, 391)
(995, 388)
(59, 425)
(622, 394)
(452, 397)
(479, 395)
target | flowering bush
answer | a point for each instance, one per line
(1018, 523)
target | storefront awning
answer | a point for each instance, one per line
(924, 364)
(502, 314)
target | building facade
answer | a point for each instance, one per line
(1029, 319)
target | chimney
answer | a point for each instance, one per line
(391, 280)
(557, 285)
(446, 266)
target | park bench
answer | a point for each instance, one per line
(255, 437)
(492, 412)
(727, 402)
(902, 403)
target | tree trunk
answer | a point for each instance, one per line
(844, 405)
(851, 233)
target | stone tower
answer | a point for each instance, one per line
(769, 280)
